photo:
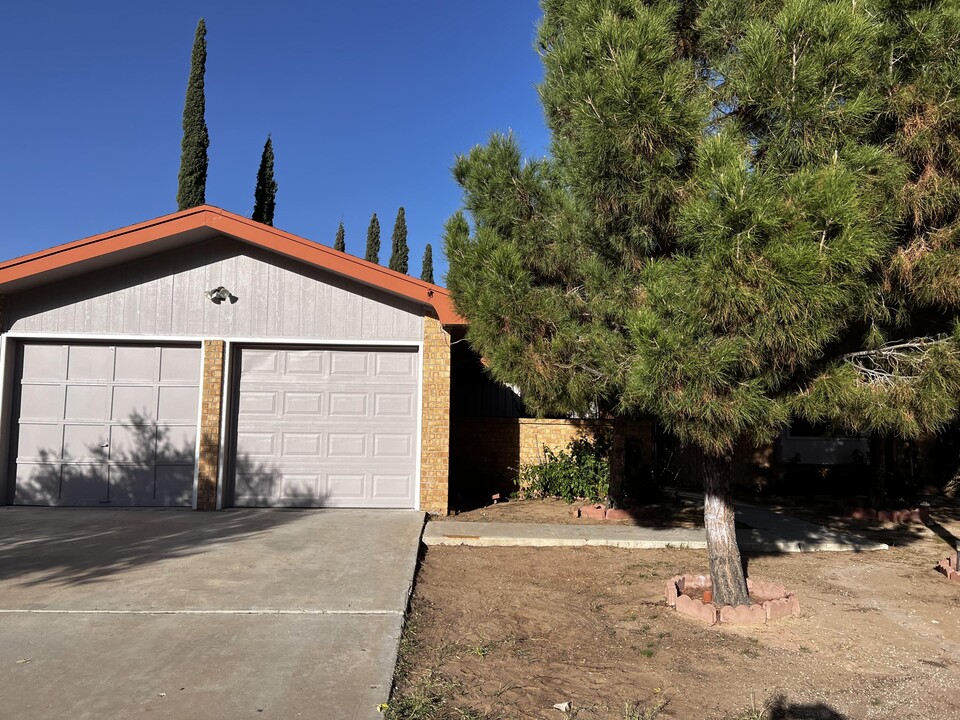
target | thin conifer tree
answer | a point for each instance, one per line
(399, 252)
(340, 242)
(192, 179)
(426, 268)
(373, 240)
(265, 193)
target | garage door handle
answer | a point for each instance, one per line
(104, 445)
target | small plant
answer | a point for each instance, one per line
(581, 471)
(640, 711)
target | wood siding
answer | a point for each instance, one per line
(164, 296)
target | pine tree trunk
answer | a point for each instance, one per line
(726, 568)
(618, 462)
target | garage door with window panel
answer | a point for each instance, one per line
(327, 428)
(106, 424)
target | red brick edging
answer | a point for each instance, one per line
(948, 566)
(776, 602)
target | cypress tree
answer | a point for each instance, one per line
(192, 179)
(426, 270)
(744, 204)
(340, 243)
(265, 193)
(399, 252)
(373, 240)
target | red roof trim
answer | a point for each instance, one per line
(246, 230)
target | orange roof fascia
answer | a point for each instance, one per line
(243, 229)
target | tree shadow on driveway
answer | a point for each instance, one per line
(79, 546)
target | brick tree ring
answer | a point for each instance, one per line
(772, 602)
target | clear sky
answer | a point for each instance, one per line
(368, 104)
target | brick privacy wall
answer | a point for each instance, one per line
(494, 448)
(435, 427)
(211, 390)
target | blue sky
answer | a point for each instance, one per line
(367, 102)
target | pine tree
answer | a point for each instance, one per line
(744, 203)
(340, 243)
(373, 240)
(191, 190)
(426, 270)
(399, 252)
(265, 194)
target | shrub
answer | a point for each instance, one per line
(582, 470)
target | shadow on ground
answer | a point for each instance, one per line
(781, 709)
(73, 546)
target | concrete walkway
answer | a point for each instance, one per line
(767, 531)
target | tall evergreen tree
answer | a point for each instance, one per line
(745, 202)
(426, 269)
(373, 240)
(192, 180)
(265, 194)
(340, 242)
(399, 252)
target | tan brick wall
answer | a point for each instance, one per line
(490, 450)
(435, 426)
(211, 391)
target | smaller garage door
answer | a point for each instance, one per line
(106, 425)
(327, 428)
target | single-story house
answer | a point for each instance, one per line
(205, 360)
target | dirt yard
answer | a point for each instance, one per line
(509, 632)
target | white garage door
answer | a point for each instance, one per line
(327, 428)
(106, 425)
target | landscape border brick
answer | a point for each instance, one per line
(777, 602)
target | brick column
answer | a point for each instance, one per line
(211, 391)
(435, 427)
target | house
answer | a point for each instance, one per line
(204, 360)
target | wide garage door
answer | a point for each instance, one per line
(111, 425)
(327, 428)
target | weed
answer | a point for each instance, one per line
(640, 711)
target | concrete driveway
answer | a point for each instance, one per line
(178, 614)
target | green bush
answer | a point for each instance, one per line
(582, 471)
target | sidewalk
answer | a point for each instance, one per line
(767, 531)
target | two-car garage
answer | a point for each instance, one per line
(202, 360)
(117, 425)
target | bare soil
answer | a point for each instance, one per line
(555, 510)
(509, 632)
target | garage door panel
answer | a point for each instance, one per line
(41, 402)
(308, 363)
(43, 362)
(392, 487)
(87, 402)
(260, 362)
(89, 362)
(173, 485)
(176, 443)
(83, 484)
(85, 442)
(131, 485)
(302, 403)
(141, 364)
(395, 365)
(133, 442)
(320, 439)
(180, 364)
(132, 402)
(112, 414)
(37, 484)
(178, 403)
(40, 442)
(258, 403)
